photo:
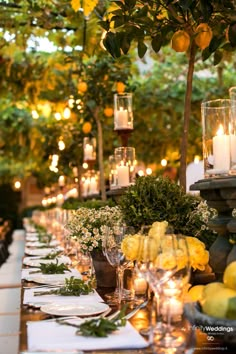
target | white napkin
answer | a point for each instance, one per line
(46, 336)
(29, 297)
(28, 275)
(33, 261)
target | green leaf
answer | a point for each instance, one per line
(157, 43)
(186, 4)
(206, 53)
(218, 55)
(142, 48)
(130, 4)
(112, 44)
(118, 21)
(125, 42)
(105, 25)
(232, 34)
(215, 43)
(206, 10)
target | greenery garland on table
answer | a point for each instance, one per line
(153, 199)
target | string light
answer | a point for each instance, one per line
(35, 114)
(163, 162)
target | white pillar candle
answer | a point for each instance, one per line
(140, 285)
(123, 175)
(121, 117)
(173, 305)
(221, 150)
(233, 148)
(88, 152)
(93, 186)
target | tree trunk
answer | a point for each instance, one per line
(187, 114)
(100, 155)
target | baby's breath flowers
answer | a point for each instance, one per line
(88, 226)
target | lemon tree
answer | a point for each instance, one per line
(153, 24)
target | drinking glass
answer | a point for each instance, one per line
(112, 250)
(171, 269)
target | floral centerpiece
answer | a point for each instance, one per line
(88, 226)
(133, 247)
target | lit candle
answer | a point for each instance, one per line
(173, 305)
(121, 121)
(233, 148)
(221, 150)
(123, 175)
(140, 285)
(88, 152)
(93, 186)
(61, 181)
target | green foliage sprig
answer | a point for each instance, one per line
(73, 287)
(52, 255)
(99, 327)
(52, 268)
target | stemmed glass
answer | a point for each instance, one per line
(169, 272)
(113, 252)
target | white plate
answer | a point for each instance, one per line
(50, 279)
(35, 262)
(32, 238)
(42, 251)
(59, 309)
(41, 244)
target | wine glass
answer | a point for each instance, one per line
(112, 250)
(172, 268)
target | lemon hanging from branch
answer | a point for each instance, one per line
(87, 5)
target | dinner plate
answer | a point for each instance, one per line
(31, 238)
(42, 251)
(60, 309)
(41, 244)
(35, 262)
(51, 279)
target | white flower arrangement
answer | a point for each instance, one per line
(88, 226)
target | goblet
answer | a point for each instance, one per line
(112, 250)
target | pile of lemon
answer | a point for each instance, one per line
(217, 299)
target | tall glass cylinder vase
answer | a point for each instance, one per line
(125, 166)
(219, 138)
(123, 112)
(89, 146)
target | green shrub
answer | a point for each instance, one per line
(153, 199)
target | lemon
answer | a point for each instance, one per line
(180, 41)
(229, 276)
(120, 87)
(203, 35)
(218, 305)
(82, 87)
(87, 127)
(211, 289)
(108, 112)
(195, 293)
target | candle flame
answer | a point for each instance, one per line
(220, 131)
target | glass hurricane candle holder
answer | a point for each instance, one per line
(89, 147)
(113, 172)
(125, 166)
(219, 138)
(123, 113)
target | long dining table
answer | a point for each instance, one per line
(29, 313)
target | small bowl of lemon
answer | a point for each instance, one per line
(212, 307)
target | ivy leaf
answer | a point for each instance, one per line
(142, 48)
